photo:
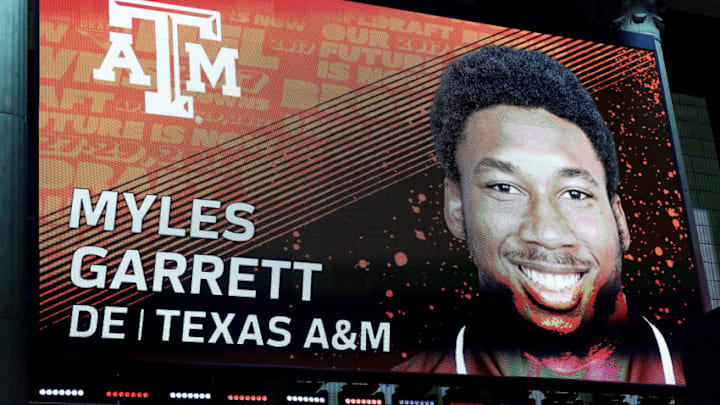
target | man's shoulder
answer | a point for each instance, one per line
(652, 358)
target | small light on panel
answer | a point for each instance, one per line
(190, 395)
(61, 392)
(363, 401)
(127, 394)
(248, 397)
(307, 399)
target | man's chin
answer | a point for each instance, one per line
(558, 321)
(560, 316)
(560, 324)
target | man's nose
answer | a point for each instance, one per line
(545, 224)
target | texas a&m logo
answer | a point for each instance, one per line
(167, 99)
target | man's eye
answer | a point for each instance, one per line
(505, 188)
(576, 195)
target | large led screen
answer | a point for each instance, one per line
(290, 184)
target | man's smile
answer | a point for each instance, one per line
(550, 286)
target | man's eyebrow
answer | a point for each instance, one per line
(570, 172)
(489, 163)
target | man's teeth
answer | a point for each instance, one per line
(552, 281)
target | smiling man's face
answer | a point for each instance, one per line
(533, 208)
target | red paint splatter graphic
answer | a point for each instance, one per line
(401, 259)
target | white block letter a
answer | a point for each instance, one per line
(121, 55)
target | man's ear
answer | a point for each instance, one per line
(454, 217)
(621, 221)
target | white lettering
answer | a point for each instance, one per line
(251, 331)
(230, 216)
(224, 62)
(109, 322)
(367, 333)
(81, 200)
(76, 268)
(316, 335)
(164, 227)
(162, 272)
(236, 276)
(197, 218)
(189, 326)
(275, 321)
(121, 55)
(167, 98)
(210, 277)
(136, 213)
(77, 310)
(167, 315)
(221, 328)
(131, 258)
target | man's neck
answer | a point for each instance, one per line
(591, 352)
(601, 362)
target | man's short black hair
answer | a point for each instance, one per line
(498, 75)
